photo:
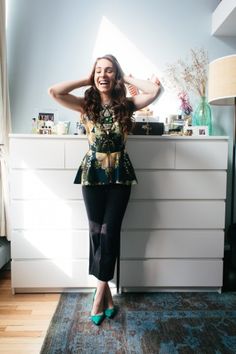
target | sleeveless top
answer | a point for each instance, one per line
(106, 161)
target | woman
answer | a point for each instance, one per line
(106, 173)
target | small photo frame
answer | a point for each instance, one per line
(46, 116)
(201, 130)
(197, 130)
(189, 131)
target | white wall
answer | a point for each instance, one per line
(50, 41)
(54, 40)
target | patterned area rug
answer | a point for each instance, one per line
(163, 323)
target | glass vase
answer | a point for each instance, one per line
(202, 114)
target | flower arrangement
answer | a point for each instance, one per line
(190, 76)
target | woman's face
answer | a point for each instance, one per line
(104, 76)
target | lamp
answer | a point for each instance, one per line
(222, 92)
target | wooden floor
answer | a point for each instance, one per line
(24, 318)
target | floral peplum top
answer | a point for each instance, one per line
(106, 161)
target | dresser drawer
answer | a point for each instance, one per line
(174, 184)
(209, 155)
(151, 154)
(36, 153)
(50, 243)
(44, 184)
(171, 273)
(174, 214)
(50, 274)
(144, 244)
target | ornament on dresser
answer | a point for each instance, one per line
(79, 129)
(190, 76)
(43, 124)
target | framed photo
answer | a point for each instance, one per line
(189, 131)
(46, 116)
(201, 130)
(197, 130)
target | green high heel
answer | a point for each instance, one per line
(99, 317)
(110, 313)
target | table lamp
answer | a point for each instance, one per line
(222, 92)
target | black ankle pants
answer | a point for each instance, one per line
(105, 206)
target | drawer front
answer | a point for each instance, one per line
(201, 155)
(180, 185)
(41, 214)
(151, 154)
(46, 244)
(171, 273)
(33, 153)
(44, 184)
(172, 244)
(52, 274)
(139, 215)
(171, 214)
(54, 184)
(70, 244)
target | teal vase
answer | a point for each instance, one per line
(202, 114)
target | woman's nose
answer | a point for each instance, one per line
(102, 73)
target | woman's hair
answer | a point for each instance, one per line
(123, 108)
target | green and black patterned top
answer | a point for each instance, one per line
(106, 161)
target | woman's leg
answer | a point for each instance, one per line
(95, 202)
(105, 207)
(116, 204)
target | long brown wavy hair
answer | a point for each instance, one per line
(123, 107)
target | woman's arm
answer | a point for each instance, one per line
(150, 91)
(61, 93)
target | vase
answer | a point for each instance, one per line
(202, 114)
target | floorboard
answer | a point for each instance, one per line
(24, 318)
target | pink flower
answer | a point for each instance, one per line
(185, 105)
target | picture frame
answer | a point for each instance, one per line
(188, 131)
(201, 130)
(46, 116)
(197, 130)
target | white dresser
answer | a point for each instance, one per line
(172, 233)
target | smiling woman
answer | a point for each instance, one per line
(106, 172)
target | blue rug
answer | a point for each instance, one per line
(163, 323)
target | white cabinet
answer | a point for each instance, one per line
(172, 233)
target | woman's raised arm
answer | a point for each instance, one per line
(150, 90)
(61, 92)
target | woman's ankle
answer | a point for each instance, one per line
(108, 298)
(98, 300)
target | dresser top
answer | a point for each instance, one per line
(131, 137)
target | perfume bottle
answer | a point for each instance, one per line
(34, 127)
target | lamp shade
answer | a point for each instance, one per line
(222, 81)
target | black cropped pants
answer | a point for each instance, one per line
(105, 206)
